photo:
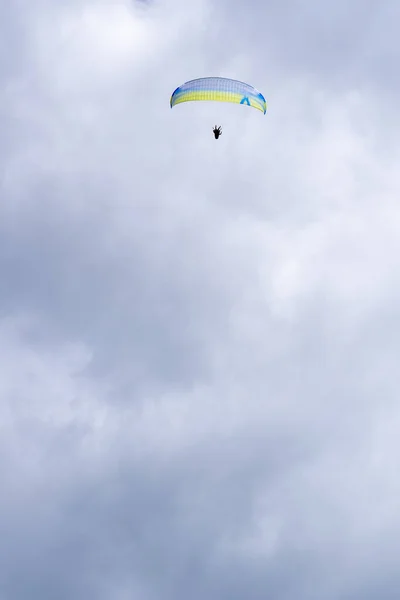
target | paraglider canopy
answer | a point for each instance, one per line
(219, 89)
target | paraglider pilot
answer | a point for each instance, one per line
(217, 131)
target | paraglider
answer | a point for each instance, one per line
(217, 131)
(219, 89)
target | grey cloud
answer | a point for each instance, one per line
(341, 45)
(204, 400)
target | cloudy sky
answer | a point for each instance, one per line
(199, 340)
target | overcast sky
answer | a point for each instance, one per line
(199, 340)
